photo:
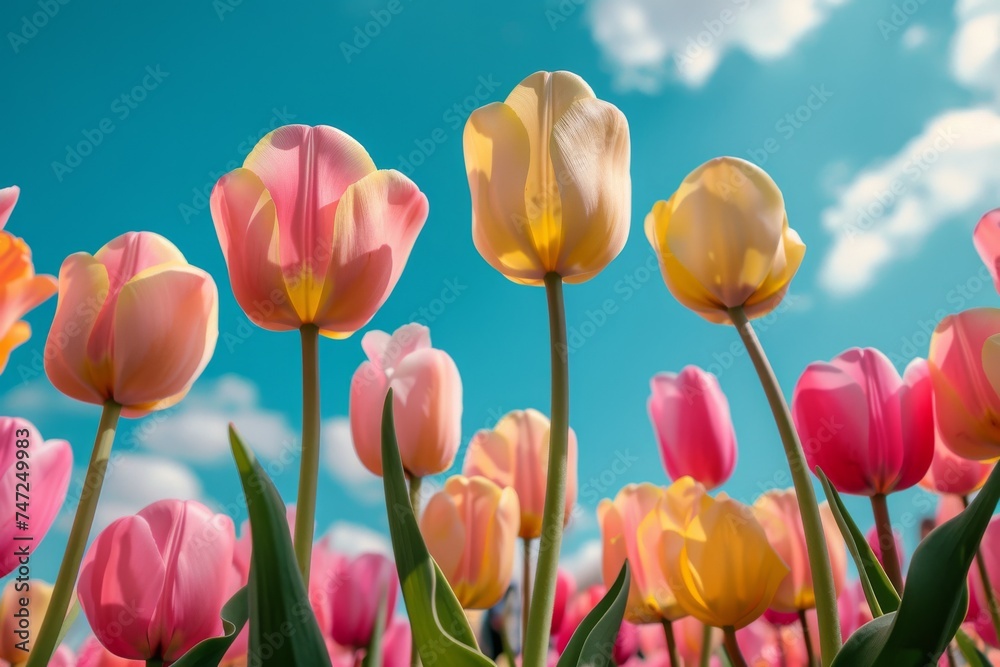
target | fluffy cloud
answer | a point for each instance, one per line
(650, 41)
(198, 429)
(352, 539)
(585, 564)
(343, 464)
(975, 55)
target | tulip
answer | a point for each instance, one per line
(853, 608)
(952, 474)
(427, 401)
(470, 527)
(364, 583)
(986, 238)
(690, 416)
(312, 232)
(722, 569)
(723, 241)
(516, 454)
(50, 463)
(631, 528)
(36, 595)
(778, 514)
(966, 408)
(164, 564)
(565, 589)
(626, 642)
(764, 645)
(549, 174)
(397, 644)
(135, 324)
(20, 289)
(93, 654)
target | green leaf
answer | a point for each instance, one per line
(594, 639)
(283, 629)
(440, 628)
(373, 654)
(970, 651)
(862, 648)
(879, 591)
(211, 651)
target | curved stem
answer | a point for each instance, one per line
(415, 484)
(819, 557)
(525, 587)
(887, 541)
(62, 593)
(305, 506)
(732, 648)
(706, 646)
(668, 632)
(810, 655)
(984, 576)
(536, 642)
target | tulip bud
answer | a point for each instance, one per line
(986, 238)
(426, 401)
(549, 174)
(516, 454)
(690, 416)
(723, 240)
(470, 527)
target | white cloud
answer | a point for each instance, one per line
(888, 210)
(343, 464)
(351, 539)
(198, 430)
(585, 564)
(651, 41)
(975, 55)
(38, 401)
(915, 37)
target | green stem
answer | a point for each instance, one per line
(415, 484)
(305, 506)
(536, 642)
(810, 655)
(62, 593)
(984, 576)
(733, 648)
(525, 587)
(668, 632)
(887, 541)
(819, 557)
(706, 646)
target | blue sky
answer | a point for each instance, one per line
(878, 119)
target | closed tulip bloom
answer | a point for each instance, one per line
(723, 240)
(135, 324)
(722, 569)
(426, 401)
(966, 404)
(470, 527)
(356, 594)
(631, 527)
(950, 473)
(165, 564)
(986, 238)
(870, 430)
(548, 171)
(778, 513)
(690, 416)
(12, 632)
(312, 232)
(20, 289)
(50, 463)
(516, 454)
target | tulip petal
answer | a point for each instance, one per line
(445, 533)
(155, 364)
(377, 222)
(18, 334)
(368, 389)
(986, 238)
(8, 199)
(787, 260)
(247, 226)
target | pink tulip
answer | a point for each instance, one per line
(470, 527)
(581, 604)
(950, 473)
(565, 589)
(764, 645)
(966, 407)
(986, 238)
(20, 289)
(312, 232)
(427, 401)
(690, 416)
(516, 454)
(355, 597)
(45, 468)
(161, 569)
(870, 431)
(949, 506)
(397, 643)
(93, 654)
(135, 324)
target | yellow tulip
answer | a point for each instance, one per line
(721, 567)
(549, 175)
(723, 240)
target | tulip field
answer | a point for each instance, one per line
(316, 236)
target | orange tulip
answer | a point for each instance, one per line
(135, 324)
(516, 454)
(470, 527)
